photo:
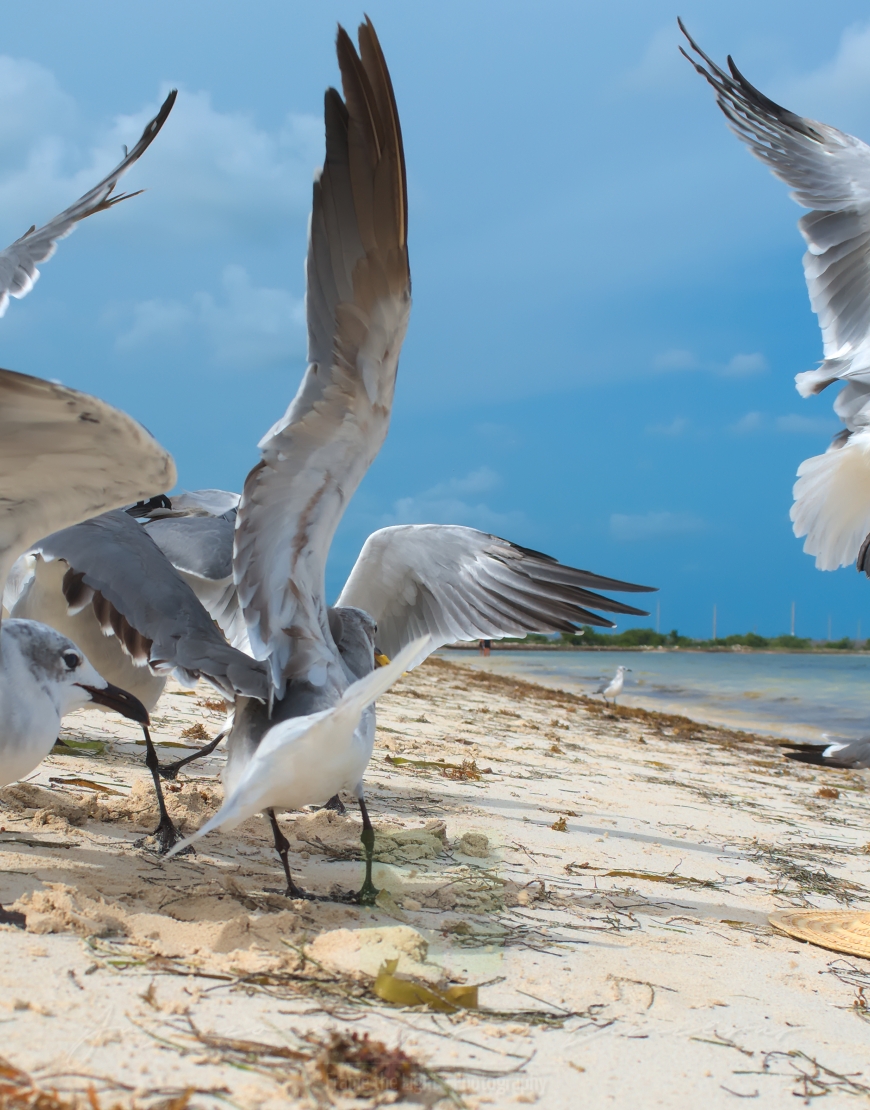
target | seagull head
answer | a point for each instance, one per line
(59, 668)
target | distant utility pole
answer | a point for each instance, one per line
(792, 618)
(714, 622)
(658, 615)
(829, 627)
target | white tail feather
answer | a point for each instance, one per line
(276, 762)
(832, 502)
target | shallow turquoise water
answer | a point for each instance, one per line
(800, 696)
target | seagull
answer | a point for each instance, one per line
(358, 301)
(107, 584)
(845, 754)
(18, 262)
(64, 456)
(829, 172)
(612, 687)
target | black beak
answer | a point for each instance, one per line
(113, 697)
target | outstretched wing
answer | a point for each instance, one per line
(116, 567)
(829, 172)
(358, 300)
(454, 583)
(18, 263)
(64, 457)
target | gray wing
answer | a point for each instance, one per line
(64, 457)
(853, 754)
(201, 550)
(116, 567)
(18, 263)
(358, 302)
(455, 583)
(829, 172)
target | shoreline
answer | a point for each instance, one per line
(604, 874)
(500, 645)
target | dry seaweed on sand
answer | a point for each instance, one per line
(64, 1091)
(794, 879)
(323, 1065)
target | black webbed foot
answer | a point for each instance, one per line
(336, 805)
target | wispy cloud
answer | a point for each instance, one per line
(738, 366)
(244, 326)
(790, 424)
(750, 422)
(744, 366)
(648, 526)
(797, 424)
(676, 358)
(454, 502)
(676, 427)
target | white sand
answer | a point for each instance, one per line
(665, 989)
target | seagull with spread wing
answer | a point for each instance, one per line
(64, 456)
(19, 261)
(447, 581)
(418, 587)
(829, 172)
(358, 300)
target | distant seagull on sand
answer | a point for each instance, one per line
(844, 754)
(613, 687)
(829, 172)
(64, 456)
(18, 262)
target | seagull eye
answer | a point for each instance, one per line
(71, 659)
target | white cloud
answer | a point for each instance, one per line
(807, 425)
(450, 503)
(742, 366)
(751, 422)
(246, 326)
(675, 428)
(661, 64)
(676, 359)
(838, 91)
(647, 526)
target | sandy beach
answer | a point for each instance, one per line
(604, 877)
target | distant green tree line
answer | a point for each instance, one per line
(648, 637)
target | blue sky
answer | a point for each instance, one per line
(609, 306)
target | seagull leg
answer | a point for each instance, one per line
(170, 770)
(368, 891)
(166, 833)
(282, 846)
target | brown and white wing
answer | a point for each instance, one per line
(64, 457)
(137, 595)
(455, 583)
(19, 261)
(358, 302)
